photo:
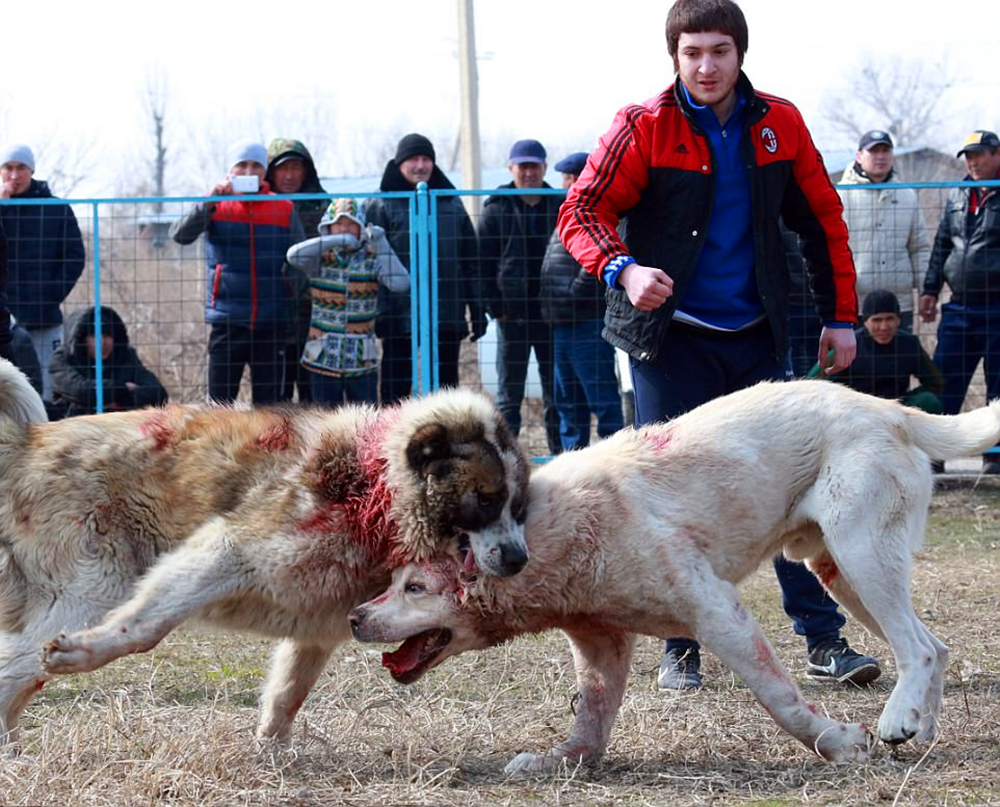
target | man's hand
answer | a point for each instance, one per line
(927, 306)
(6, 190)
(647, 287)
(836, 345)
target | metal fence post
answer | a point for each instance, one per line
(99, 358)
(422, 277)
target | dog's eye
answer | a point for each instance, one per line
(414, 588)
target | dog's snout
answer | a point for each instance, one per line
(512, 559)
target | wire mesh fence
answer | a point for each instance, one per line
(221, 299)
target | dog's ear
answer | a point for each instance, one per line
(429, 450)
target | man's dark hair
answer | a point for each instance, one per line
(699, 16)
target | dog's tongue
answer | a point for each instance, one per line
(405, 657)
(470, 562)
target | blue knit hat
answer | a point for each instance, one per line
(246, 151)
(17, 153)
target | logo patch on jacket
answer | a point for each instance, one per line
(681, 149)
(770, 139)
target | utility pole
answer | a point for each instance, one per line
(472, 171)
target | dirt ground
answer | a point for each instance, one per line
(175, 726)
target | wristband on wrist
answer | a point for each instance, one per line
(613, 268)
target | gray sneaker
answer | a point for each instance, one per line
(679, 669)
(835, 661)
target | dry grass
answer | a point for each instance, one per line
(175, 726)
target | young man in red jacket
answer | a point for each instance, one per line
(677, 213)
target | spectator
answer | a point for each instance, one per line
(698, 278)
(514, 232)
(572, 303)
(966, 256)
(889, 358)
(126, 382)
(886, 230)
(460, 306)
(290, 169)
(45, 254)
(246, 299)
(347, 264)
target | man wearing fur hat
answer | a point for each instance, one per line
(460, 307)
(45, 254)
(246, 299)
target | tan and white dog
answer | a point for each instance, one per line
(648, 532)
(276, 521)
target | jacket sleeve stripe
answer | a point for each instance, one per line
(592, 238)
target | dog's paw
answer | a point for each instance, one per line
(527, 764)
(898, 726)
(845, 742)
(65, 655)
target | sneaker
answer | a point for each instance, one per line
(679, 669)
(835, 661)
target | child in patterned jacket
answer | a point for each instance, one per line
(346, 264)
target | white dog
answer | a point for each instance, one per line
(648, 531)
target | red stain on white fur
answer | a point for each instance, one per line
(278, 437)
(158, 427)
(826, 571)
(765, 658)
(659, 438)
(365, 512)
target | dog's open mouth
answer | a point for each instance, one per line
(465, 551)
(416, 654)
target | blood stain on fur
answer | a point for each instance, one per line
(158, 427)
(826, 571)
(659, 438)
(278, 437)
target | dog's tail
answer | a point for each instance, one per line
(951, 436)
(18, 400)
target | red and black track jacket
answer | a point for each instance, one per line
(652, 178)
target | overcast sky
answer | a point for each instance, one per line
(355, 76)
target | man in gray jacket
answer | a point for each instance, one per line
(887, 234)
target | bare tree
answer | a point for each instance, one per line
(156, 95)
(900, 95)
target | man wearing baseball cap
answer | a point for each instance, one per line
(514, 232)
(887, 234)
(966, 256)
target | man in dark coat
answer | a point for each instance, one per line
(126, 382)
(514, 232)
(290, 169)
(460, 306)
(45, 254)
